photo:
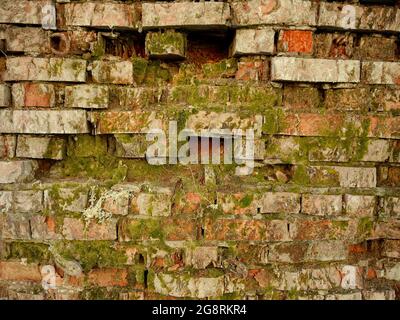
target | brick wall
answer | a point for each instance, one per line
(319, 216)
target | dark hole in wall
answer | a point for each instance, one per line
(145, 276)
(141, 259)
(125, 45)
(58, 43)
(208, 47)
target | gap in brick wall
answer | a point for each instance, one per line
(208, 47)
(125, 45)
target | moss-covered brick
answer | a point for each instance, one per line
(166, 45)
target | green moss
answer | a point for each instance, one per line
(54, 148)
(142, 229)
(223, 69)
(97, 293)
(365, 226)
(139, 69)
(301, 175)
(246, 201)
(161, 43)
(33, 252)
(342, 225)
(91, 254)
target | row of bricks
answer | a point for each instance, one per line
(179, 229)
(171, 44)
(207, 15)
(203, 286)
(282, 69)
(202, 123)
(292, 97)
(271, 151)
(132, 201)
(24, 171)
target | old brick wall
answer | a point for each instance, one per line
(319, 217)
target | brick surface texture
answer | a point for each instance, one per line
(83, 82)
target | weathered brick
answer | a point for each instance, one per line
(45, 69)
(125, 122)
(24, 11)
(43, 122)
(252, 70)
(238, 229)
(314, 279)
(7, 146)
(391, 206)
(391, 248)
(108, 277)
(14, 227)
(253, 41)
(381, 72)
(352, 177)
(184, 14)
(295, 97)
(214, 122)
(295, 41)
(347, 99)
(295, 252)
(27, 39)
(66, 199)
(17, 271)
(74, 229)
(44, 228)
(17, 171)
(181, 286)
(331, 125)
(333, 45)
(102, 15)
(319, 229)
(28, 201)
(286, 12)
(6, 201)
(376, 48)
(169, 229)
(386, 99)
(392, 271)
(131, 146)
(355, 17)
(116, 72)
(33, 95)
(201, 257)
(116, 202)
(378, 150)
(5, 96)
(309, 70)
(360, 206)
(152, 204)
(387, 229)
(40, 147)
(87, 97)
(379, 295)
(322, 205)
(280, 202)
(166, 45)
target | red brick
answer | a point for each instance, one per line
(74, 229)
(19, 272)
(109, 277)
(35, 96)
(252, 70)
(296, 41)
(318, 230)
(238, 229)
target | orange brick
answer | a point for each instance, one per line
(296, 41)
(19, 272)
(109, 277)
